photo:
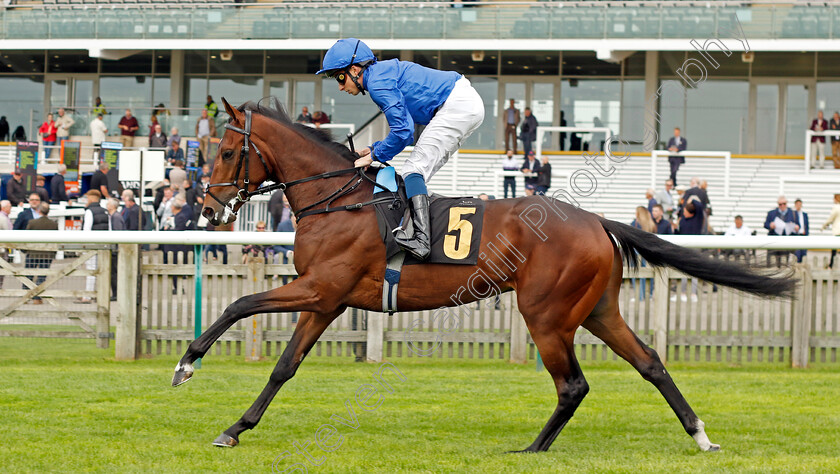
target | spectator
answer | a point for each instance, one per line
(40, 258)
(663, 226)
(174, 137)
(98, 130)
(158, 139)
(304, 116)
(562, 134)
(117, 223)
(4, 129)
(216, 249)
(485, 197)
(5, 224)
(675, 145)
(177, 175)
(27, 215)
(175, 153)
(698, 188)
(286, 252)
(511, 118)
(152, 122)
(160, 110)
(48, 131)
(510, 164)
(211, 108)
(63, 125)
(19, 135)
(319, 118)
(780, 221)
(189, 194)
(57, 188)
(544, 176)
(691, 223)
(255, 250)
(643, 221)
(528, 131)
(834, 221)
(40, 183)
(801, 219)
(737, 229)
(818, 142)
(834, 124)
(164, 210)
(14, 188)
(128, 127)
(95, 219)
(651, 201)
(98, 108)
(200, 191)
(276, 208)
(99, 180)
(531, 167)
(131, 211)
(204, 129)
(181, 220)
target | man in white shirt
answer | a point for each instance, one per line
(204, 129)
(5, 224)
(62, 125)
(738, 229)
(98, 130)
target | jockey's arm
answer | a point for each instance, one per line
(392, 103)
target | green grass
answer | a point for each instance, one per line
(79, 410)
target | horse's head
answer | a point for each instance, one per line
(238, 169)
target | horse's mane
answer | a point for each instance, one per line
(278, 114)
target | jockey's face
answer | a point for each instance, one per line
(348, 85)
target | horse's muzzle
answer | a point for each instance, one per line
(226, 216)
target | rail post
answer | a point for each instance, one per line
(375, 336)
(518, 333)
(661, 292)
(801, 315)
(128, 327)
(103, 299)
(253, 326)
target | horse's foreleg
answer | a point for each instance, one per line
(308, 330)
(295, 296)
(612, 329)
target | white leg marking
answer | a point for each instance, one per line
(702, 439)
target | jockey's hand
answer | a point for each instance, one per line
(364, 159)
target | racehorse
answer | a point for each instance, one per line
(567, 277)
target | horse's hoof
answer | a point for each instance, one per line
(225, 441)
(713, 448)
(182, 374)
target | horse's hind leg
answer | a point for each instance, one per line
(557, 352)
(309, 329)
(606, 323)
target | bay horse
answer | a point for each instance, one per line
(570, 276)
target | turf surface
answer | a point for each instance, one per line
(79, 410)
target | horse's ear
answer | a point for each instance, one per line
(230, 110)
(277, 105)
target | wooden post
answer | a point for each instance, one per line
(128, 324)
(518, 333)
(253, 325)
(661, 294)
(801, 315)
(103, 299)
(375, 336)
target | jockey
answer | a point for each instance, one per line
(409, 94)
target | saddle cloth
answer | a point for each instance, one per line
(457, 223)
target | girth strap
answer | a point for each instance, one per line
(390, 285)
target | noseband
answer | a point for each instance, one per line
(243, 195)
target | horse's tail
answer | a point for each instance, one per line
(659, 252)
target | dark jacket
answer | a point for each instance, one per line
(23, 219)
(681, 147)
(535, 169)
(693, 225)
(804, 227)
(131, 217)
(117, 222)
(15, 192)
(528, 131)
(100, 216)
(41, 223)
(772, 215)
(544, 178)
(663, 226)
(42, 193)
(59, 192)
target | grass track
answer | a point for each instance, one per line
(82, 411)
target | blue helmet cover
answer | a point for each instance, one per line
(344, 53)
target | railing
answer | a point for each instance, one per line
(810, 134)
(178, 300)
(408, 20)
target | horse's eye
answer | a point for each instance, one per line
(227, 154)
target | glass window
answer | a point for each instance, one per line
(305, 95)
(160, 90)
(195, 91)
(671, 110)
(463, 63)
(727, 66)
(796, 118)
(236, 90)
(140, 63)
(24, 62)
(717, 116)
(828, 97)
(769, 63)
(280, 90)
(634, 65)
(766, 106)
(163, 61)
(530, 63)
(427, 58)
(633, 117)
(591, 103)
(21, 97)
(121, 92)
(195, 62)
(290, 62)
(342, 107)
(542, 106)
(391, 54)
(242, 62)
(670, 61)
(585, 63)
(485, 136)
(71, 61)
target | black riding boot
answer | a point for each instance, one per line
(418, 244)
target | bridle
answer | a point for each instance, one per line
(243, 195)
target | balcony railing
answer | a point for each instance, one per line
(405, 20)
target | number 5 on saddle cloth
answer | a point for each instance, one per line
(456, 231)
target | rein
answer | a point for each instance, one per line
(243, 195)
